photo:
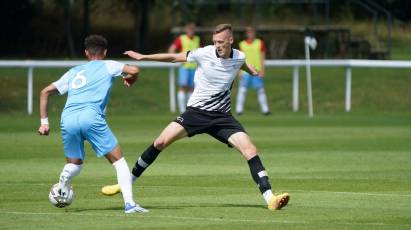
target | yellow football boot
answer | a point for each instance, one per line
(279, 201)
(110, 190)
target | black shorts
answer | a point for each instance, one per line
(217, 124)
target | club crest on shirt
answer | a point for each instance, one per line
(180, 119)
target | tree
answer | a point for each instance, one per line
(140, 10)
(66, 5)
(86, 17)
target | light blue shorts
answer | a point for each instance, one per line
(250, 81)
(87, 125)
(186, 77)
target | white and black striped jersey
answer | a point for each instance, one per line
(213, 78)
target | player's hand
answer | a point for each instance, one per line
(44, 130)
(251, 70)
(129, 80)
(135, 55)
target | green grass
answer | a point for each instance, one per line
(344, 171)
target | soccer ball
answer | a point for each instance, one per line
(56, 200)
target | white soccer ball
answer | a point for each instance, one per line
(57, 200)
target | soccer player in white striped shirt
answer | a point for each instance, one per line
(208, 110)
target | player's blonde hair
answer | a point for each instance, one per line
(223, 27)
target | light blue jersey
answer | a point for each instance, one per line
(88, 87)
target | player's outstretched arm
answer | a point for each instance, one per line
(132, 73)
(249, 69)
(44, 97)
(163, 57)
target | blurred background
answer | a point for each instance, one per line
(344, 29)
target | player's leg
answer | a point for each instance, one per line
(182, 98)
(104, 143)
(262, 99)
(183, 78)
(191, 73)
(242, 142)
(70, 170)
(115, 157)
(171, 133)
(73, 144)
(258, 85)
(242, 93)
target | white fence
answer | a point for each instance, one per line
(31, 64)
(294, 64)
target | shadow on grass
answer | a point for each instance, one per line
(113, 208)
(204, 205)
(173, 207)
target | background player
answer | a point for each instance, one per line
(254, 50)
(209, 108)
(182, 44)
(88, 87)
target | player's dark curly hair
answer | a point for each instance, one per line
(95, 44)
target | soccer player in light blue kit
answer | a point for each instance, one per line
(88, 87)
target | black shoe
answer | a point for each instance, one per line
(267, 113)
(239, 114)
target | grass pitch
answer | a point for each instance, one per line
(345, 171)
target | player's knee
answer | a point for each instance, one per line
(160, 143)
(261, 90)
(249, 151)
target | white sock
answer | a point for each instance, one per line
(242, 92)
(124, 180)
(181, 96)
(268, 195)
(262, 99)
(69, 171)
